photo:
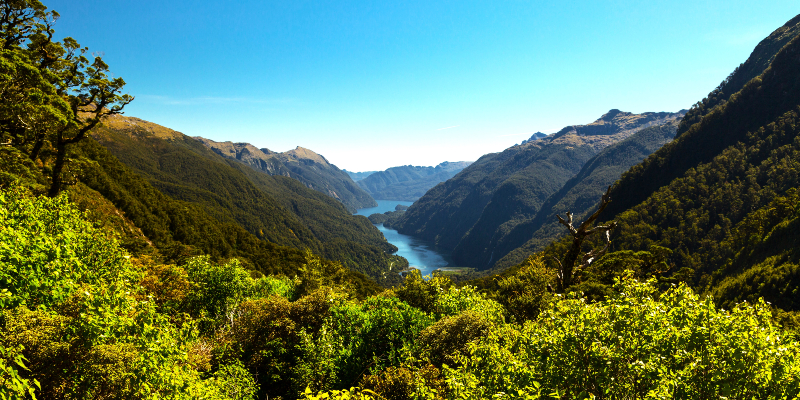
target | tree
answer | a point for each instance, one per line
(567, 264)
(51, 94)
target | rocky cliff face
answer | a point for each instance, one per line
(302, 164)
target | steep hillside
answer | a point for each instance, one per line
(278, 209)
(759, 60)
(580, 194)
(409, 183)
(308, 167)
(703, 139)
(729, 206)
(499, 191)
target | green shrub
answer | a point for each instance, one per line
(635, 346)
(73, 309)
(422, 293)
(12, 385)
(405, 383)
(525, 293)
(454, 301)
(358, 338)
(49, 249)
(235, 382)
(449, 337)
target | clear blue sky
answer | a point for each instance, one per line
(375, 84)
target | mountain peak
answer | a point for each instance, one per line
(535, 136)
(306, 154)
(616, 125)
(611, 114)
(241, 151)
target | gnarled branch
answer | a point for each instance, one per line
(567, 266)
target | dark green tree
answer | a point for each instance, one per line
(51, 94)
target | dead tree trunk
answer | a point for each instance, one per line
(567, 267)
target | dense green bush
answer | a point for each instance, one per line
(81, 320)
(449, 337)
(524, 292)
(49, 250)
(422, 293)
(359, 338)
(74, 312)
(636, 344)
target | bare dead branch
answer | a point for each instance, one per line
(567, 267)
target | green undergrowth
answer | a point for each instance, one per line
(82, 318)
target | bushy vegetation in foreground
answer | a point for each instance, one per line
(83, 319)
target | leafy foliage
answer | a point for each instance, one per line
(49, 249)
(635, 346)
(525, 292)
(52, 94)
(12, 385)
(72, 308)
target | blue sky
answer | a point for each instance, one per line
(376, 84)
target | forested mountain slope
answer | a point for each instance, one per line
(580, 194)
(274, 208)
(488, 198)
(703, 139)
(730, 207)
(407, 182)
(308, 167)
(176, 229)
(759, 60)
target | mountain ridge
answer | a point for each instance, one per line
(305, 165)
(276, 208)
(407, 182)
(492, 195)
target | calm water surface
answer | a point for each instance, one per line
(420, 254)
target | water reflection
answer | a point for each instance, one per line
(421, 254)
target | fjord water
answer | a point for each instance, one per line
(420, 254)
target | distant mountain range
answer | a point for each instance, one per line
(409, 183)
(357, 176)
(476, 213)
(302, 164)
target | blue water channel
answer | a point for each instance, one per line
(420, 254)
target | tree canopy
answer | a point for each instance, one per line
(52, 92)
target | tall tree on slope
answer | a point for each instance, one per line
(51, 94)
